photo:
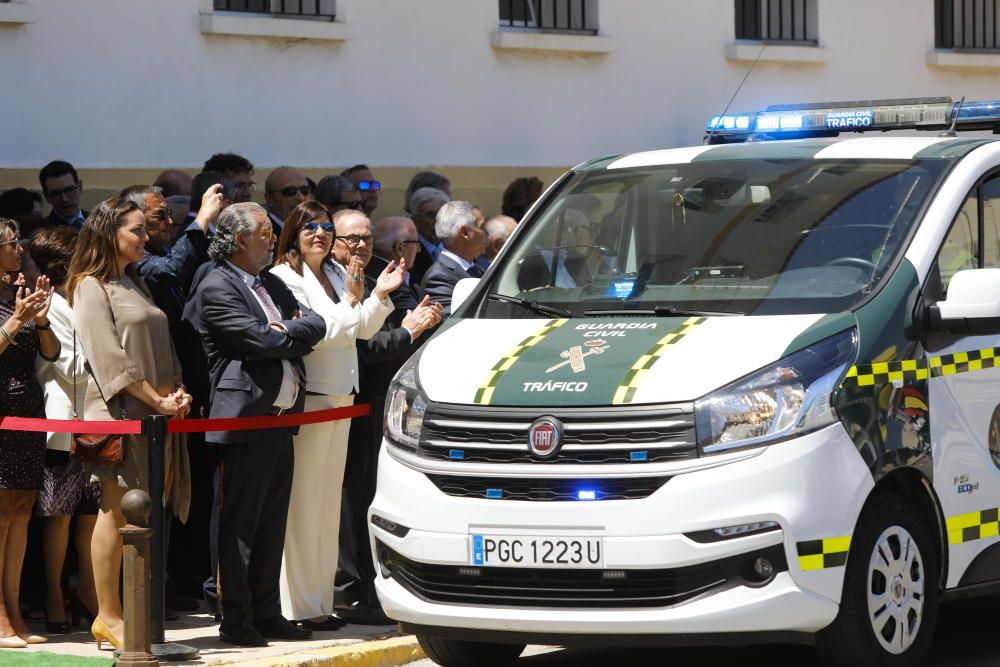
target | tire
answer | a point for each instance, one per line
(894, 557)
(459, 653)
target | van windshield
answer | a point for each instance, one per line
(727, 236)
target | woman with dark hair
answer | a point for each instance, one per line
(134, 372)
(311, 537)
(66, 489)
(24, 335)
(520, 195)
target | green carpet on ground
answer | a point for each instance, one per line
(17, 658)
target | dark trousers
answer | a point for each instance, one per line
(188, 562)
(355, 571)
(256, 485)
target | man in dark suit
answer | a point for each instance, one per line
(424, 205)
(62, 187)
(396, 240)
(254, 338)
(460, 228)
(379, 359)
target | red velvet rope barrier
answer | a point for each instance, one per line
(134, 426)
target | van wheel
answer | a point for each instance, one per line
(889, 604)
(460, 653)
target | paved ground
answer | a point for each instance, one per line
(201, 632)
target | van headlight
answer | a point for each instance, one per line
(405, 406)
(790, 397)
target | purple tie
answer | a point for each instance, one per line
(272, 312)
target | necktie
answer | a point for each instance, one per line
(475, 271)
(271, 310)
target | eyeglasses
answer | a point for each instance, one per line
(311, 227)
(251, 186)
(369, 186)
(405, 241)
(355, 239)
(65, 192)
(291, 190)
(15, 240)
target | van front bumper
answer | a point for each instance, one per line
(812, 487)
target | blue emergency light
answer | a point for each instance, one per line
(828, 119)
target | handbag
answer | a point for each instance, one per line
(95, 447)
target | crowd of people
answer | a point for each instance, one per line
(184, 298)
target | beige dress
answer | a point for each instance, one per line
(131, 345)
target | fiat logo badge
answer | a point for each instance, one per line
(544, 437)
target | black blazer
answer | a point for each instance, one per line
(244, 353)
(53, 219)
(382, 355)
(422, 262)
(439, 282)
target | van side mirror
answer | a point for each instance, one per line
(972, 306)
(463, 288)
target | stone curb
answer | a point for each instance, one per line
(378, 653)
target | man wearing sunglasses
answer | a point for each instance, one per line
(337, 193)
(62, 188)
(284, 189)
(366, 185)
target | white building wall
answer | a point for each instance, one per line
(132, 84)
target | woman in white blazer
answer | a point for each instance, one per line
(311, 537)
(66, 487)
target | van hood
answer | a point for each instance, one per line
(601, 361)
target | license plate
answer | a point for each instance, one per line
(537, 551)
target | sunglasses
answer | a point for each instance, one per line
(291, 190)
(369, 186)
(311, 227)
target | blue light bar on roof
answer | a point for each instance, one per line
(829, 119)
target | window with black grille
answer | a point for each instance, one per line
(967, 25)
(781, 21)
(564, 16)
(317, 9)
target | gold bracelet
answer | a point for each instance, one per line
(8, 337)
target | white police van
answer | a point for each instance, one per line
(739, 392)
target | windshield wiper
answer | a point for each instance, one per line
(660, 311)
(530, 305)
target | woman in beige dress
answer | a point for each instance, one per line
(134, 372)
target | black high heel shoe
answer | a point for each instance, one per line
(57, 627)
(77, 610)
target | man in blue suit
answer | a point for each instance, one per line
(254, 337)
(460, 227)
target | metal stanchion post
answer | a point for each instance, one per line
(135, 537)
(154, 428)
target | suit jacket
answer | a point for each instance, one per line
(420, 265)
(382, 355)
(53, 219)
(439, 282)
(244, 353)
(168, 273)
(404, 298)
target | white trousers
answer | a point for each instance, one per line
(309, 565)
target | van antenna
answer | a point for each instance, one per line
(708, 139)
(950, 132)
